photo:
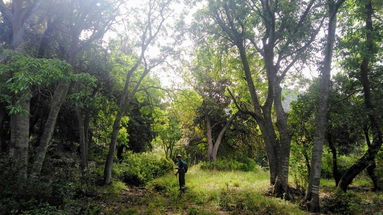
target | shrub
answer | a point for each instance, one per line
(249, 203)
(53, 188)
(241, 164)
(139, 169)
(44, 209)
(342, 203)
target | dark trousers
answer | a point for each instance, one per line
(181, 180)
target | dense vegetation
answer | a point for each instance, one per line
(275, 105)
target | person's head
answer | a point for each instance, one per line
(179, 157)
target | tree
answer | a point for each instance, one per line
(79, 17)
(20, 74)
(312, 194)
(265, 27)
(156, 14)
(214, 111)
(16, 15)
(366, 63)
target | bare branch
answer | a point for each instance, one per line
(297, 52)
(253, 114)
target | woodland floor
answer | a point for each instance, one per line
(217, 192)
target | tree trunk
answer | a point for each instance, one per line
(281, 187)
(57, 100)
(20, 139)
(335, 170)
(219, 138)
(2, 116)
(312, 194)
(371, 168)
(262, 116)
(373, 149)
(112, 148)
(83, 140)
(371, 173)
(270, 139)
(306, 156)
(209, 139)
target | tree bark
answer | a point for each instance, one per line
(374, 178)
(371, 168)
(219, 138)
(262, 116)
(20, 138)
(312, 194)
(2, 116)
(335, 169)
(83, 140)
(209, 139)
(368, 158)
(57, 100)
(281, 186)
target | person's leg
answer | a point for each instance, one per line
(182, 181)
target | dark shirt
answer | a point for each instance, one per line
(181, 166)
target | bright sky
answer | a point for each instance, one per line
(169, 73)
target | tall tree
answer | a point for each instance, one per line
(312, 194)
(265, 26)
(156, 14)
(75, 19)
(364, 76)
(16, 15)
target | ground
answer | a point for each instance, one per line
(222, 192)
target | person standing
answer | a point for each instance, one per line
(181, 170)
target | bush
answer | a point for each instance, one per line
(251, 203)
(43, 196)
(139, 169)
(342, 203)
(241, 164)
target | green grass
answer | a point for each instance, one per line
(215, 192)
(211, 192)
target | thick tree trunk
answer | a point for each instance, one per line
(335, 169)
(57, 100)
(281, 187)
(312, 194)
(262, 116)
(20, 138)
(369, 157)
(270, 139)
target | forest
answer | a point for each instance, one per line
(261, 106)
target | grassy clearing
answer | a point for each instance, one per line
(228, 192)
(213, 192)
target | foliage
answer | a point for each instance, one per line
(20, 72)
(44, 209)
(60, 187)
(342, 203)
(139, 169)
(241, 164)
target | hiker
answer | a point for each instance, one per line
(181, 170)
